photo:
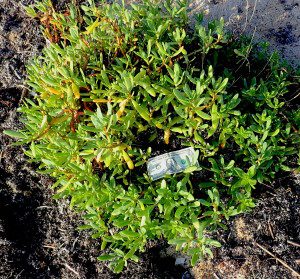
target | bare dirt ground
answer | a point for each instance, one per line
(38, 236)
(274, 21)
(256, 242)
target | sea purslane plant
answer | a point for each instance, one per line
(118, 84)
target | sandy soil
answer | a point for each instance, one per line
(274, 21)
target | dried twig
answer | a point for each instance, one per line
(253, 12)
(1, 155)
(72, 269)
(270, 229)
(247, 19)
(25, 92)
(293, 243)
(19, 274)
(49, 246)
(277, 259)
(295, 97)
(74, 243)
(44, 206)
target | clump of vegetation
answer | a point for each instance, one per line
(119, 84)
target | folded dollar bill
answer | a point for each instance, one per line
(172, 162)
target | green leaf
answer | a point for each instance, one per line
(131, 252)
(120, 223)
(65, 186)
(202, 114)
(179, 130)
(49, 81)
(214, 120)
(194, 259)
(15, 134)
(178, 241)
(214, 243)
(191, 169)
(187, 195)
(204, 202)
(223, 85)
(176, 71)
(181, 97)
(179, 211)
(251, 171)
(195, 222)
(119, 266)
(106, 257)
(92, 27)
(207, 184)
(129, 234)
(238, 53)
(230, 165)
(144, 113)
(208, 252)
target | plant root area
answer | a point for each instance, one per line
(39, 236)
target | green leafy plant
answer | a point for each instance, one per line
(119, 84)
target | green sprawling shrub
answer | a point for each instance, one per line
(119, 84)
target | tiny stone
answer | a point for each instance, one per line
(180, 261)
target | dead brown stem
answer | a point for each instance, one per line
(293, 243)
(72, 269)
(277, 259)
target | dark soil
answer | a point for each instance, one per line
(38, 235)
(273, 225)
(284, 36)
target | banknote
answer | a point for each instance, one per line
(172, 162)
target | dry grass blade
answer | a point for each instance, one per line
(277, 259)
(270, 229)
(293, 243)
(72, 269)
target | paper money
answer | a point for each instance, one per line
(172, 162)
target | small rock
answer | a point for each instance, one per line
(180, 261)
